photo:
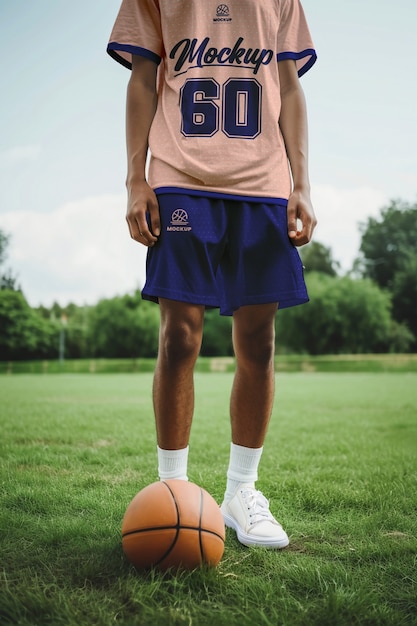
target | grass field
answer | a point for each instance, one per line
(353, 363)
(339, 467)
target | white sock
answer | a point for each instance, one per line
(243, 468)
(172, 463)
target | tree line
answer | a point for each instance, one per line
(371, 309)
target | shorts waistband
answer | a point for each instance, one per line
(220, 195)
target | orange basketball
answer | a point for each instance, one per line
(173, 524)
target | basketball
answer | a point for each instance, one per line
(173, 524)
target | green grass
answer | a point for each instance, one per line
(398, 363)
(339, 467)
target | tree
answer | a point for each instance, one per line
(404, 294)
(318, 258)
(388, 241)
(124, 327)
(343, 316)
(217, 337)
(4, 242)
(72, 320)
(7, 279)
(24, 334)
(389, 257)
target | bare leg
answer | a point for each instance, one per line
(253, 388)
(245, 509)
(173, 389)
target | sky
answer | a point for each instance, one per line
(62, 142)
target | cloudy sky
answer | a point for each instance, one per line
(62, 151)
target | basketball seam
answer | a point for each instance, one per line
(200, 537)
(174, 527)
(177, 527)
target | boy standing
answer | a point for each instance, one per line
(215, 96)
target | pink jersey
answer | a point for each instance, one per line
(216, 125)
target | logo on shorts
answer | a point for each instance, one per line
(179, 221)
(222, 14)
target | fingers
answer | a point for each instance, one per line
(303, 236)
(155, 220)
(292, 221)
(144, 234)
(143, 220)
(300, 239)
(139, 231)
(300, 214)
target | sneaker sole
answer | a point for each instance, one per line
(253, 540)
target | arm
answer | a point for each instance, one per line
(293, 124)
(140, 110)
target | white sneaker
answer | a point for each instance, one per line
(249, 515)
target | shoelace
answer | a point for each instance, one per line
(258, 506)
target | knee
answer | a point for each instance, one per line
(180, 342)
(255, 347)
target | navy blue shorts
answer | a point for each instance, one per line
(224, 253)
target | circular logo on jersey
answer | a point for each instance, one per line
(222, 9)
(179, 216)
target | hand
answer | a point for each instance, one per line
(300, 208)
(142, 202)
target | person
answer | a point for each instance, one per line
(214, 96)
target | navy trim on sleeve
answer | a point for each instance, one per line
(114, 48)
(297, 56)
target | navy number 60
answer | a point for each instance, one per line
(240, 107)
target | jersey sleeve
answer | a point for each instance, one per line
(137, 30)
(294, 39)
